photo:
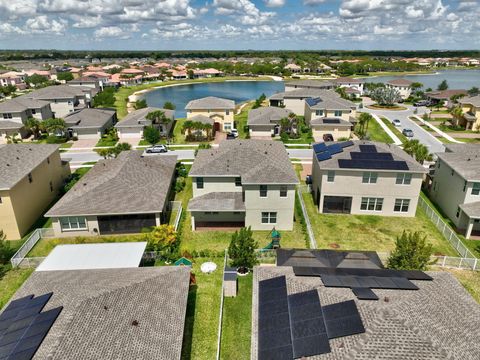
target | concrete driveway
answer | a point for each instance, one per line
(84, 143)
(426, 138)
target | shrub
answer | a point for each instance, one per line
(179, 184)
(284, 136)
(412, 252)
(53, 139)
(151, 134)
(242, 249)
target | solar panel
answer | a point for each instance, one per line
(323, 156)
(312, 345)
(372, 164)
(345, 144)
(343, 319)
(368, 148)
(370, 156)
(319, 147)
(334, 149)
(364, 293)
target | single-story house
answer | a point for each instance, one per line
(117, 196)
(444, 96)
(132, 125)
(219, 109)
(265, 121)
(90, 123)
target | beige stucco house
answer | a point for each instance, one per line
(31, 176)
(265, 121)
(350, 83)
(403, 86)
(365, 178)
(309, 84)
(456, 186)
(117, 196)
(295, 99)
(471, 112)
(220, 110)
(243, 183)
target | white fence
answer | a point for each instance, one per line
(176, 206)
(300, 190)
(28, 245)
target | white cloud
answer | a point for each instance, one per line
(111, 32)
(42, 24)
(313, 2)
(274, 3)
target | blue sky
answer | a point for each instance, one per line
(239, 24)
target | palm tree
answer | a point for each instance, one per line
(187, 127)
(34, 126)
(208, 129)
(285, 125)
(417, 150)
(363, 121)
(12, 139)
(157, 117)
(55, 125)
(457, 114)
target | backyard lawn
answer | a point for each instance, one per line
(10, 283)
(367, 232)
(469, 279)
(241, 120)
(201, 324)
(237, 322)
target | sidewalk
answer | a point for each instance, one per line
(437, 130)
(390, 133)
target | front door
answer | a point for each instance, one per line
(217, 126)
(276, 130)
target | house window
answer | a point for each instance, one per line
(7, 116)
(476, 189)
(465, 186)
(371, 204)
(34, 111)
(199, 182)
(238, 181)
(227, 112)
(458, 212)
(319, 112)
(30, 179)
(452, 172)
(404, 179)
(73, 223)
(51, 186)
(370, 177)
(331, 176)
(401, 205)
(283, 191)
(263, 190)
(269, 217)
(338, 113)
(227, 126)
(48, 160)
(0, 200)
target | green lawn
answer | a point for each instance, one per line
(469, 279)
(394, 129)
(242, 118)
(376, 133)
(237, 322)
(106, 141)
(370, 232)
(66, 145)
(203, 310)
(10, 283)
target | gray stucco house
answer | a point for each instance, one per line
(265, 121)
(132, 125)
(243, 183)
(90, 123)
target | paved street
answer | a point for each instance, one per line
(433, 144)
(76, 157)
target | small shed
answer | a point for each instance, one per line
(230, 282)
(183, 262)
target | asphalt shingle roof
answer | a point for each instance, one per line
(89, 118)
(328, 122)
(58, 92)
(129, 184)
(397, 153)
(438, 321)
(202, 119)
(137, 117)
(303, 94)
(400, 82)
(464, 159)
(99, 307)
(17, 160)
(10, 125)
(329, 102)
(217, 201)
(21, 103)
(471, 209)
(267, 115)
(210, 102)
(320, 84)
(255, 161)
(470, 100)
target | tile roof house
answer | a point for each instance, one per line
(31, 176)
(90, 123)
(219, 109)
(131, 313)
(456, 186)
(121, 195)
(437, 321)
(365, 177)
(403, 86)
(243, 183)
(132, 125)
(265, 121)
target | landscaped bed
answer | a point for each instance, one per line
(385, 107)
(370, 232)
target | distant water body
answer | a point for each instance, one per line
(456, 79)
(239, 91)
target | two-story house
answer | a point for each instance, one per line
(243, 183)
(220, 110)
(330, 114)
(456, 186)
(471, 112)
(350, 83)
(295, 99)
(309, 84)
(31, 176)
(365, 178)
(403, 86)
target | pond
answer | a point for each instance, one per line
(239, 91)
(456, 79)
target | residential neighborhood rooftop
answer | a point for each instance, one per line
(18, 160)
(129, 184)
(303, 93)
(328, 101)
(137, 117)
(331, 121)
(435, 322)
(58, 92)
(445, 94)
(202, 119)
(210, 102)
(470, 100)
(321, 84)
(400, 82)
(133, 313)
(89, 117)
(464, 159)
(266, 115)
(217, 201)
(21, 103)
(255, 161)
(348, 80)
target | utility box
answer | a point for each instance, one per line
(230, 282)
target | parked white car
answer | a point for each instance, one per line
(396, 122)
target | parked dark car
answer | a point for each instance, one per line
(422, 103)
(230, 136)
(407, 132)
(156, 149)
(308, 179)
(327, 137)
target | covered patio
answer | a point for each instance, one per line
(470, 220)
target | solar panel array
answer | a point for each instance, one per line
(372, 164)
(23, 327)
(295, 326)
(325, 152)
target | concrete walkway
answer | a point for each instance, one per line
(390, 133)
(437, 130)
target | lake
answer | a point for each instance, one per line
(239, 91)
(456, 79)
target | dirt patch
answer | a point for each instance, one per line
(334, 246)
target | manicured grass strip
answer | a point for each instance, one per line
(242, 118)
(469, 279)
(106, 142)
(201, 324)
(10, 283)
(394, 129)
(376, 133)
(371, 232)
(237, 322)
